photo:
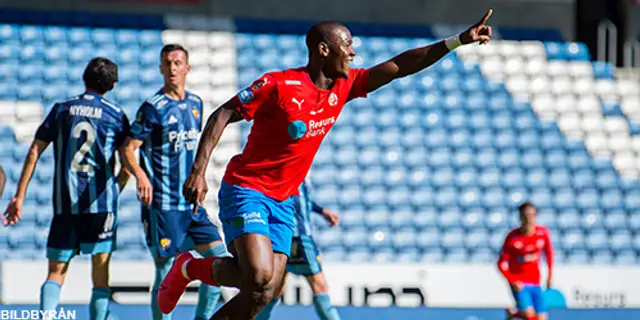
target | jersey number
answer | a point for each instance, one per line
(84, 148)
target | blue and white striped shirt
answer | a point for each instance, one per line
(86, 131)
(169, 130)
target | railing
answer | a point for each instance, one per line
(608, 42)
(608, 46)
(632, 54)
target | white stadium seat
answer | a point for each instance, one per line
(173, 36)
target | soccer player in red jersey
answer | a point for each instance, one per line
(519, 262)
(292, 111)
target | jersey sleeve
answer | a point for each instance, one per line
(359, 77)
(548, 252)
(47, 130)
(503, 261)
(249, 99)
(146, 121)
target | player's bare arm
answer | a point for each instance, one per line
(195, 188)
(12, 215)
(415, 60)
(129, 162)
(123, 175)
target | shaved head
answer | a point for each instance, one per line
(330, 48)
(323, 32)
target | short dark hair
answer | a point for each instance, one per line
(524, 206)
(100, 75)
(173, 47)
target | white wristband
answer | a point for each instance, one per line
(452, 42)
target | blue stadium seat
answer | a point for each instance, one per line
(620, 241)
(431, 256)
(626, 257)
(356, 237)
(428, 238)
(597, 240)
(404, 238)
(483, 255)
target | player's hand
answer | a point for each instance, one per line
(332, 218)
(516, 286)
(13, 213)
(479, 32)
(195, 190)
(144, 190)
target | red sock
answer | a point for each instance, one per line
(200, 269)
(531, 318)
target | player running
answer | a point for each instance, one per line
(519, 262)
(305, 259)
(166, 130)
(292, 111)
(86, 131)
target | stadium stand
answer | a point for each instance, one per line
(428, 169)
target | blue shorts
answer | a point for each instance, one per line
(169, 233)
(244, 210)
(531, 296)
(305, 259)
(81, 234)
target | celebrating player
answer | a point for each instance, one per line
(305, 259)
(86, 131)
(292, 111)
(166, 129)
(519, 262)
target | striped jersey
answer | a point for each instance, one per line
(169, 130)
(86, 131)
(304, 206)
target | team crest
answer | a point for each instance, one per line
(333, 99)
(258, 84)
(196, 113)
(164, 243)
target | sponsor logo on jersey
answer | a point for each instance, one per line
(245, 96)
(292, 82)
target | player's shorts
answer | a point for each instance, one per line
(305, 259)
(81, 234)
(244, 210)
(171, 232)
(531, 296)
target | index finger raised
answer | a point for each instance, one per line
(486, 17)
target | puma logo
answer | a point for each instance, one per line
(299, 103)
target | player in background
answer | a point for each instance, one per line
(305, 259)
(292, 111)
(519, 262)
(166, 131)
(86, 131)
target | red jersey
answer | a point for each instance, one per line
(291, 117)
(521, 254)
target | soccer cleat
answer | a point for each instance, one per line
(174, 284)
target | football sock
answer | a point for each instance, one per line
(162, 268)
(325, 311)
(208, 296)
(99, 305)
(49, 295)
(265, 313)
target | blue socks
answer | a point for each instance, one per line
(325, 311)
(208, 296)
(162, 268)
(265, 313)
(99, 305)
(49, 295)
